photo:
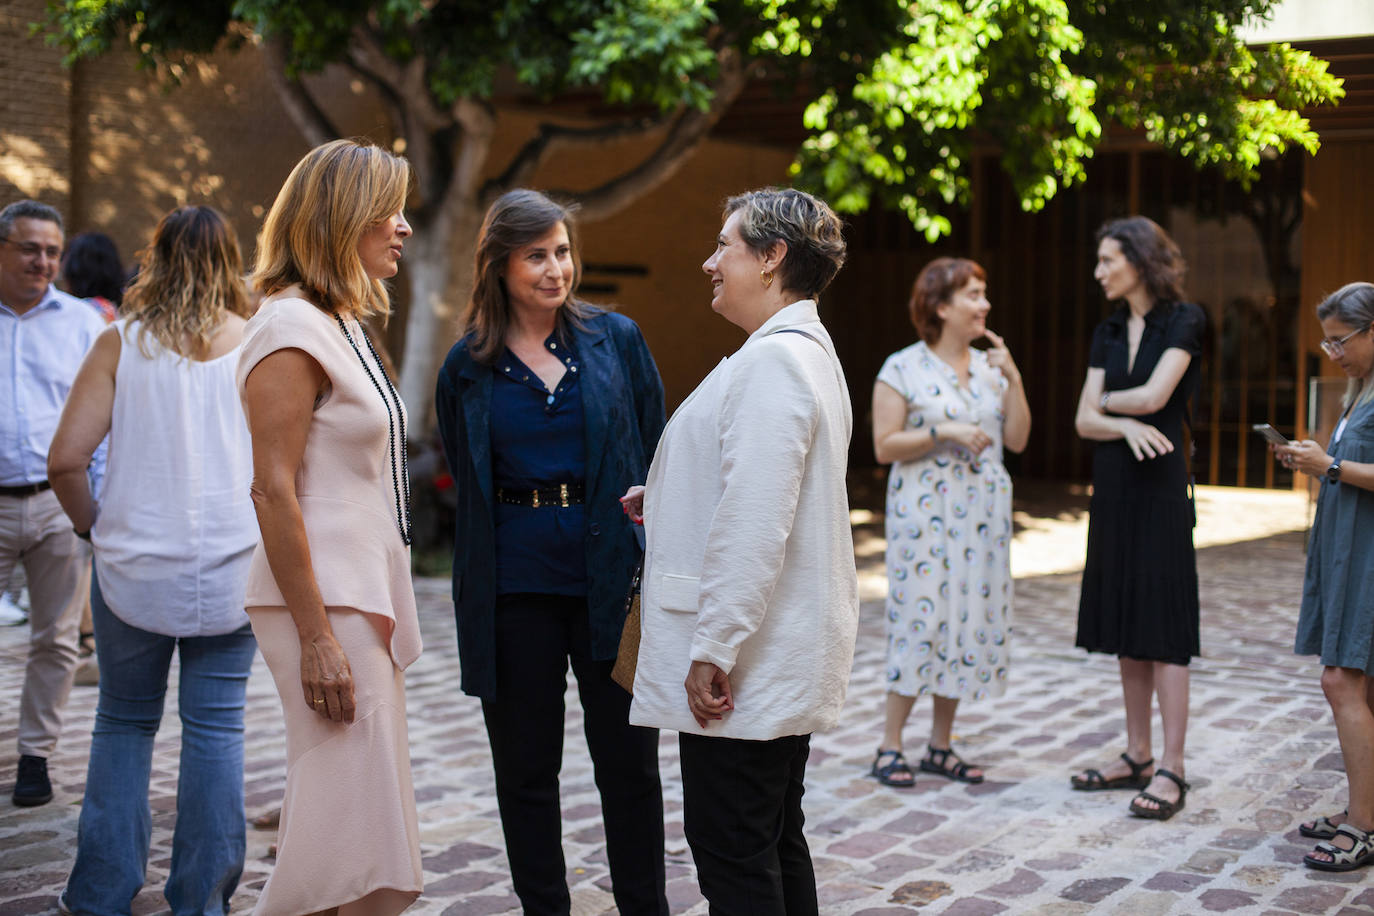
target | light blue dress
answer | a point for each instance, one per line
(948, 528)
(1337, 617)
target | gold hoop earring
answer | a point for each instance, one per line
(767, 277)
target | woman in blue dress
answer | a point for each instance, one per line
(1337, 617)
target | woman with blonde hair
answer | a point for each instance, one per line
(329, 590)
(172, 534)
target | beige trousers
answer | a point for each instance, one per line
(35, 531)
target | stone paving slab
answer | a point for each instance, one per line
(1262, 757)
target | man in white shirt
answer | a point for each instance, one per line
(44, 335)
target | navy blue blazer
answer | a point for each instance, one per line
(622, 399)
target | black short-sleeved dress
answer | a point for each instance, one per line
(1139, 597)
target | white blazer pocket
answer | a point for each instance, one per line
(679, 593)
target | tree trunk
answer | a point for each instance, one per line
(439, 263)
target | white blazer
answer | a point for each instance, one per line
(749, 562)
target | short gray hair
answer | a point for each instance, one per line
(27, 209)
(813, 234)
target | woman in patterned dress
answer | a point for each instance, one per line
(942, 413)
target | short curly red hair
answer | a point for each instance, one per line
(935, 285)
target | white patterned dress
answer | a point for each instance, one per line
(949, 595)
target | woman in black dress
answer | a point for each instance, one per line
(1139, 599)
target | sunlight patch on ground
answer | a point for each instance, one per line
(1053, 541)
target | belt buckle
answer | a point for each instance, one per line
(563, 494)
(535, 503)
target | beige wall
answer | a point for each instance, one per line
(115, 149)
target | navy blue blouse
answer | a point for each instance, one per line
(538, 441)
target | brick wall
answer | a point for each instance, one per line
(35, 119)
(116, 148)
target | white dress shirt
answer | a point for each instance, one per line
(40, 352)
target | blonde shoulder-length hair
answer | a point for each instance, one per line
(310, 237)
(188, 278)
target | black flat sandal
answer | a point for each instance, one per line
(936, 761)
(897, 765)
(1094, 781)
(1166, 809)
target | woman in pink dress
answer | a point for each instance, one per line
(329, 591)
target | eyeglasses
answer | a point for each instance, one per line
(1336, 348)
(33, 249)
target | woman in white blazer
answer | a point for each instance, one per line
(750, 592)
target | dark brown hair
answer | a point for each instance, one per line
(1151, 252)
(935, 285)
(516, 219)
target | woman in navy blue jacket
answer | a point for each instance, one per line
(550, 409)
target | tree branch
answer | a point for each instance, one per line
(551, 138)
(477, 126)
(405, 93)
(403, 80)
(686, 133)
(300, 105)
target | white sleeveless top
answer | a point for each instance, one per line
(175, 528)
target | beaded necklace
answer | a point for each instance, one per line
(400, 482)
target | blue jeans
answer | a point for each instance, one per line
(116, 825)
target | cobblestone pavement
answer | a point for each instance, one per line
(1262, 757)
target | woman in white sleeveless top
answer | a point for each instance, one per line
(173, 531)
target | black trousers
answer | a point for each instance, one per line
(536, 635)
(743, 818)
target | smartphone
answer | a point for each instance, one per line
(1272, 434)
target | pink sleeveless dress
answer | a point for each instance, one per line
(348, 835)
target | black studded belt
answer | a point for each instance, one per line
(564, 495)
(28, 489)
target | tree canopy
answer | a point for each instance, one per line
(901, 92)
(1039, 82)
(904, 90)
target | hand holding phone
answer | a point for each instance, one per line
(1272, 434)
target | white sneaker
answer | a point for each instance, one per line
(11, 614)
